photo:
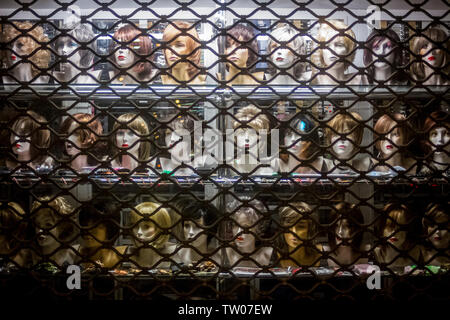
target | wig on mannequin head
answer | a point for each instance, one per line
(244, 37)
(347, 34)
(82, 34)
(88, 130)
(34, 128)
(62, 214)
(349, 124)
(30, 44)
(137, 124)
(386, 124)
(139, 43)
(255, 212)
(303, 125)
(376, 37)
(151, 211)
(436, 119)
(441, 40)
(188, 209)
(285, 33)
(398, 216)
(255, 117)
(177, 29)
(436, 215)
(181, 123)
(352, 213)
(289, 217)
(12, 226)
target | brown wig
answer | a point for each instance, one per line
(178, 29)
(351, 213)
(34, 128)
(33, 34)
(373, 40)
(436, 214)
(398, 215)
(128, 34)
(244, 37)
(89, 131)
(388, 123)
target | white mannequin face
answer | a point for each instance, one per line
(343, 231)
(73, 145)
(293, 141)
(45, 229)
(179, 47)
(145, 231)
(440, 137)
(431, 55)
(395, 237)
(297, 233)
(67, 47)
(95, 236)
(337, 45)
(281, 57)
(127, 139)
(246, 138)
(342, 148)
(21, 145)
(242, 239)
(192, 229)
(240, 56)
(439, 238)
(124, 56)
(179, 147)
(384, 49)
(18, 48)
(390, 145)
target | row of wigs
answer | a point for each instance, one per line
(239, 33)
(90, 132)
(18, 225)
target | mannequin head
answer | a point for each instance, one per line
(436, 225)
(241, 47)
(81, 131)
(297, 227)
(198, 221)
(53, 221)
(344, 147)
(346, 229)
(182, 40)
(100, 224)
(70, 46)
(336, 39)
(437, 131)
(301, 138)
(131, 49)
(248, 222)
(151, 224)
(12, 227)
(383, 51)
(253, 118)
(286, 56)
(25, 45)
(130, 130)
(430, 54)
(397, 225)
(391, 132)
(178, 138)
(29, 138)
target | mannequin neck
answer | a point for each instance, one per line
(434, 79)
(51, 248)
(79, 162)
(382, 74)
(248, 248)
(345, 254)
(285, 79)
(395, 160)
(235, 76)
(24, 156)
(23, 72)
(337, 72)
(441, 160)
(129, 161)
(180, 73)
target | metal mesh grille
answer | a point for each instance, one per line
(225, 149)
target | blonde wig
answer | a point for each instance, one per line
(137, 124)
(438, 37)
(151, 211)
(187, 33)
(348, 124)
(62, 213)
(347, 34)
(256, 119)
(40, 58)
